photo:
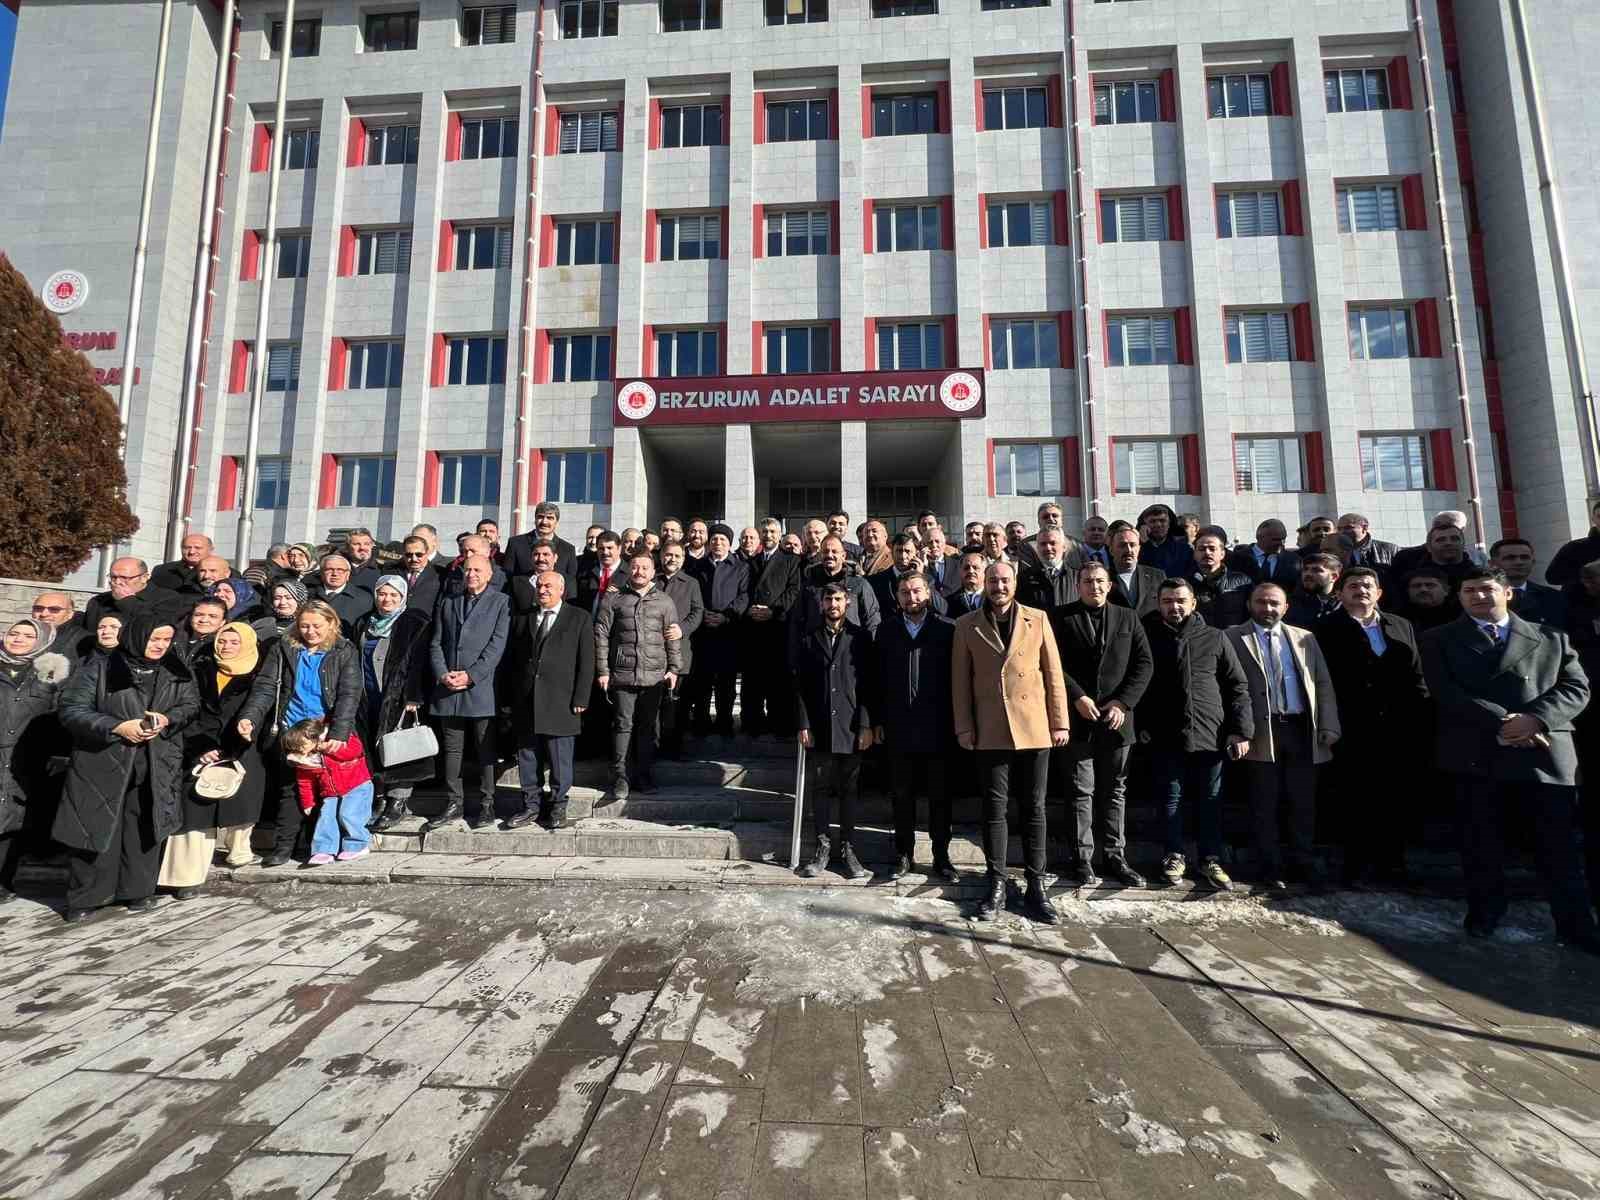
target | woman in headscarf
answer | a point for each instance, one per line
(302, 559)
(31, 675)
(223, 677)
(107, 633)
(284, 599)
(124, 789)
(394, 644)
(239, 596)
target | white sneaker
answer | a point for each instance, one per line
(347, 855)
(1173, 868)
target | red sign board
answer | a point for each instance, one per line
(753, 399)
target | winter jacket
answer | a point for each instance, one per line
(832, 683)
(215, 727)
(30, 734)
(1222, 599)
(630, 637)
(342, 772)
(94, 701)
(684, 589)
(1197, 697)
(340, 673)
(404, 681)
(473, 641)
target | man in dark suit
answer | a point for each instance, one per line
(683, 589)
(725, 593)
(1383, 710)
(552, 652)
(1266, 560)
(914, 720)
(1508, 692)
(767, 703)
(597, 578)
(1531, 601)
(1047, 582)
(423, 581)
(1106, 657)
(965, 593)
(1133, 585)
(1369, 551)
(1570, 560)
(181, 571)
(1222, 595)
(832, 668)
(518, 557)
(886, 583)
(344, 597)
(469, 637)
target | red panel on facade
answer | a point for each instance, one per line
(1316, 463)
(547, 241)
(834, 236)
(1069, 356)
(760, 135)
(947, 223)
(1282, 93)
(1058, 212)
(1052, 100)
(833, 114)
(355, 150)
(654, 137)
(261, 148)
(541, 356)
(447, 245)
(328, 482)
(441, 361)
(866, 227)
(722, 242)
(430, 479)
(1305, 340)
(1183, 335)
(1175, 223)
(609, 465)
(941, 94)
(758, 222)
(758, 341)
(727, 120)
(228, 484)
(348, 245)
(952, 341)
(977, 104)
(872, 343)
(836, 339)
(338, 363)
(866, 112)
(1428, 339)
(452, 137)
(1192, 484)
(1167, 95)
(647, 350)
(1442, 449)
(649, 235)
(1294, 219)
(1071, 467)
(988, 346)
(983, 221)
(552, 131)
(239, 368)
(1413, 206)
(988, 458)
(250, 260)
(722, 347)
(1399, 71)
(536, 473)
(1099, 219)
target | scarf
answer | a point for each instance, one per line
(295, 589)
(380, 624)
(137, 628)
(43, 636)
(244, 596)
(242, 663)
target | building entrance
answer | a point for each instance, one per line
(913, 466)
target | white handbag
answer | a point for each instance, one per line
(218, 780)
(407, 743)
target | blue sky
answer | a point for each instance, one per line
(8, 35)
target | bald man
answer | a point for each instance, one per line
(130, 592)
(550, 674)
(181, 571)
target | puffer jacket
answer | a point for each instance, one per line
(630, 637)
(30, 734)
(342, 686)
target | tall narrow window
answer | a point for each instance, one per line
(300, 148)
(283, 367)
(294, 255)
(272, 483)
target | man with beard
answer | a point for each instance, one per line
(517, 562)
(767, 703)
(725, 593)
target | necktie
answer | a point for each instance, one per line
(544, 628)
(1272, 564)
(1280, 697)
(605, 578)
(1492, 632)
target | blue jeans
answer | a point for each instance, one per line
(1194, 779)
(347, 815)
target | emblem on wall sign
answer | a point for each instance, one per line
(960, 392)
(65, 291)
(637, 401)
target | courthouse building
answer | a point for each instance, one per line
(739, 257)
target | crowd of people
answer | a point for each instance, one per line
(147, 736)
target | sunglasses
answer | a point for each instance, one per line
(48, 608)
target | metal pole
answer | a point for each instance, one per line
(141, 247)
(799, 804)
(521, 485)
(1463, 398)
(177, 517)
(269, 268)
(1078, 285)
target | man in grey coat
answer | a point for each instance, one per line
(469, 636)
(1508, 692)
(636, 660)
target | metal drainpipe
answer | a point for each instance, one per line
(1555, 217)
(521, 485)
(205, 273)
(1464, 400)
(258, 383)
(1078, 285)
(141, 248)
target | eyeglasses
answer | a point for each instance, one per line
(49, 608)
(126, 578)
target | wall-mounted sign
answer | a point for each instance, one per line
(65, 291)
(750, 399)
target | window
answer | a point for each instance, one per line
(305, 42)
(803, 231)
(1356, 91)
(366, 481)
(283, 367)
(1133, 218)
(583, 243)
(375, 364)
(1268, 464)
(1149, 467)
(489, 137)
(799, 500)
(678, 16)
(272, 483)
(1239, 95)
(391, 31)
(1369, 208)
(796, 12)
(796, 349)
(1015, 108)
(910, 345)
(483, 247)
(1249, 214)
(580, 357)
(1381, 332)
(300, 149)
(575, 476)
(904, 8)
(691, 125)
(1258, 337)
(704, 500)
(690, 237)
(469, 479)
(1020, 223)
(911, 112)
(1027, 469)
(489, 26)
(907, 227)
(477, 360)
(587, 133)
(1021, 343)
(683, 352)
(294, 255)
(996, 5)
(384, 252)
(798, 121)
(588, 18)
(1140, 342)
(1395, 462)
(389, 145)
(1126, 102)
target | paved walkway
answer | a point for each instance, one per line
(546, 1041)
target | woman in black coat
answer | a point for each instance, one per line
(394, 642)
(31, 676)
(124, 790)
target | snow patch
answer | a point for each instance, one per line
(792, 1148)
(883, 1061)
(711, 1107)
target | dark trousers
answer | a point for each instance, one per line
(830, 778)
(913, 776)
(1485, 808)
(1027, 773)
(12, 847)
(1099, 793)
(1587, 737)
(673, 717)
(766, 698)
(1194, 781)
(540, 753)
(1288, 783)
(633, 727)
(713, 684)
(290, 830)
(126, 869)
(455, 733)
(1376, 809)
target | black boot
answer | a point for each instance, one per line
(450, 815)
(618, 791)
(819, 861)
(394, 811)
(1037, 905)
(558, 818)
(993, 904)
(851, 864)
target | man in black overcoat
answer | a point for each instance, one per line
(552, 653)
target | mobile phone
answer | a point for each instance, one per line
(148, 722)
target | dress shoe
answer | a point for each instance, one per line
(142, 904)
(188, 893)
(394, 811)
(449, 816)
(275, 859)
(1036, 905)
(558, 819)
(76, 916)
(944, 871)
(484, 820)
(617, 792)
(850, 864)
(994, 901)
(819, 861)
(1082, 875)
(902, 867)
(646, 784)
(1118, 870)
(525, 818)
